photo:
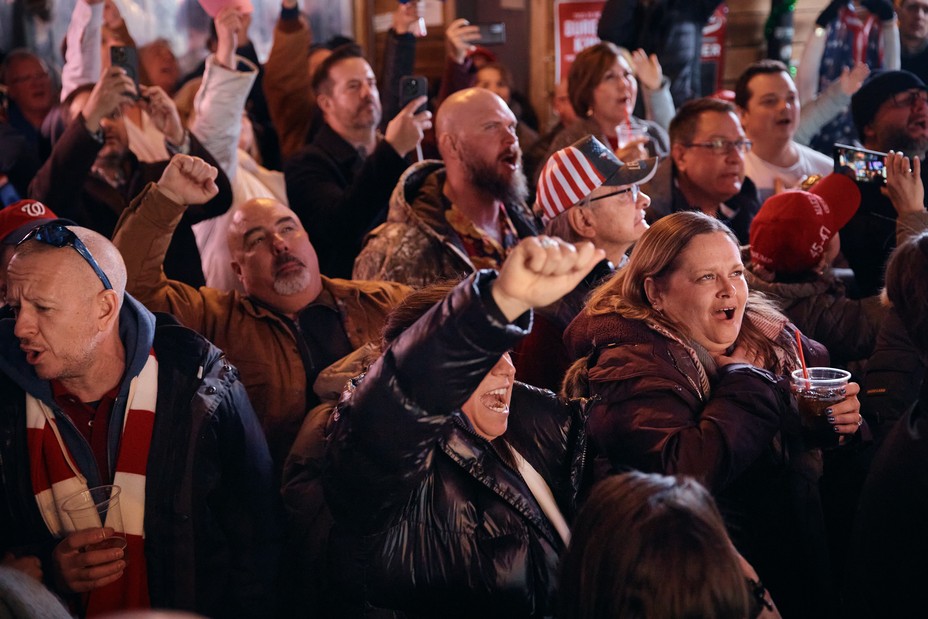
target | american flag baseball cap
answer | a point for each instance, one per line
(572, 173)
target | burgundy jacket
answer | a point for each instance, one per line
(743, 442)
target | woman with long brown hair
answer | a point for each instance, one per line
(688, 368)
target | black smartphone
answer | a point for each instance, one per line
(491, 34)
(126, 57)
(865, 166)
(412, 87)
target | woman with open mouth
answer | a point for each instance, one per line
(603, 90)
(689, 370)
(452, 485)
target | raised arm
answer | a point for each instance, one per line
(399, 58)
(61, 178)
(144, 233)
(82, 62)
(655, 88)
(287, 83)
(382, 442)
(459, 69)
(220, 101)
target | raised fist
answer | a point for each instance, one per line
(188, 180)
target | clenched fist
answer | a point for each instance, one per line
(188, 180)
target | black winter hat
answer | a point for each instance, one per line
(877, 88)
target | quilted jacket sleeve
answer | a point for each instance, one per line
(650, 418)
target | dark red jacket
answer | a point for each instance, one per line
(743, 442)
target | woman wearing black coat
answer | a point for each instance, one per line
(436, 513)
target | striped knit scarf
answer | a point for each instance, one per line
(55, 477)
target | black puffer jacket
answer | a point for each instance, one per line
(440, 524)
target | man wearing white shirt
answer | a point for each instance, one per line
(769, 107)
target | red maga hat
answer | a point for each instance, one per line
(791, 230)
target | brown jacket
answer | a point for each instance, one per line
(287, 84)
(257, 340)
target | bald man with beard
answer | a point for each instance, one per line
(97, 390)
(450, 218)
(289, 323)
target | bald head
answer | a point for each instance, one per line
(465, 107)
(272, 256)
(476, 133)
(248, 213)
(67, 322)
(76, 266)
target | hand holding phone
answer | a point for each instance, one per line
(864, 166)
(404, 133)
(126, 57)
(904, 186)
(491, 34)
(412, 87)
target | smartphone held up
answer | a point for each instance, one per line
(411, 88)
(126, 57)
(864, 166)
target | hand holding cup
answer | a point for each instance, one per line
(86, 559)
(828, 404)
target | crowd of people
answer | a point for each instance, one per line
(344, 356)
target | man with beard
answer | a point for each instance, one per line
(341, 182)
(289, 323)
(450, 218)
(890, 112)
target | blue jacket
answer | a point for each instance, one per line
(211, 511)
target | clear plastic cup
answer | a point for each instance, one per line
(823, 387)
(95, 508)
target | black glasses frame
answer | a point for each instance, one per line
(57, 235)
(634, 189)
(720, 146)
(913, 95)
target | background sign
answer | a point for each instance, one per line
(575, 25)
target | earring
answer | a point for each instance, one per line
(589, 112)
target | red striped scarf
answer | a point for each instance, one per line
(55, 477)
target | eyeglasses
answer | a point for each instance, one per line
(721, 146)
(29, 77)
(57, 235)
(909, 98)
(629, 194)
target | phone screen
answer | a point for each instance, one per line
(866, 166)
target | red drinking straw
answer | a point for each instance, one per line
(802, 357)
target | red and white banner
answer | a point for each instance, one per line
(575, 23)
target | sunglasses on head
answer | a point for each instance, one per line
(57, 235)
